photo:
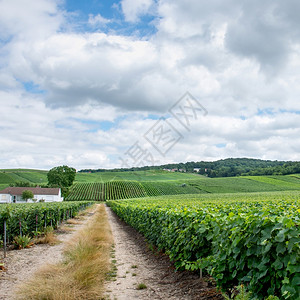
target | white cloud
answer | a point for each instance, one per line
(240, 60)
(133, 9)
(77, 68)
(29, 20)
(32, 135)
(95, 20)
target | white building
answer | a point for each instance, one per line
(14, 194)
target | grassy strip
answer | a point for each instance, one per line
(83, 271)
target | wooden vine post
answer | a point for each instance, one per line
(6, 215)
(4, 243)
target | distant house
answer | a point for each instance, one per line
(196, 170)
(14, 194)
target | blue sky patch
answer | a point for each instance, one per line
(221, 145)
(32, 88)
(266, 112)
(152, 117)
(94, 125)
(80, 12)
(297, 112)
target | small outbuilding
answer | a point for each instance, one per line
(14, 194)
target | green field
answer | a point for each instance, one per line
(240, 230)
(112, 190)
(165, 183)
(9, 176)
(135, 176)
(239, 238)
(246, 184)
(124, 185)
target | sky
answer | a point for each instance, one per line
(110, 84)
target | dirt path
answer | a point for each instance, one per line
(136, 264)
(22, 264)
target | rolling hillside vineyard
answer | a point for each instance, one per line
(239, 230)
(125, 189)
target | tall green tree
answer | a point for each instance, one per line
(62, 176)
(27, 195)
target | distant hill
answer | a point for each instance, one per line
(144, 183)
(14, 176)
(147, 185)
(229, 167)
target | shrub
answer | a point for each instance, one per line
(21, 242)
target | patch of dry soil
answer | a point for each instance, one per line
(137, 264)
(21, 264)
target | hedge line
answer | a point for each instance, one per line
(256, 243)
(27, 218)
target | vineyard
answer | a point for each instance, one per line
(239, 230)
(113, 190)
(15, 175)
(250, 239)
(26, 219)
(125, 189)
(246, 184)
(131, 184)
(149, 175)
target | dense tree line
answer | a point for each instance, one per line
(242, 167)
(224, 168)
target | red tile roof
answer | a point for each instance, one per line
(36, 191)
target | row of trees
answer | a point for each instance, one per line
(225, 167)
(240, 167)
